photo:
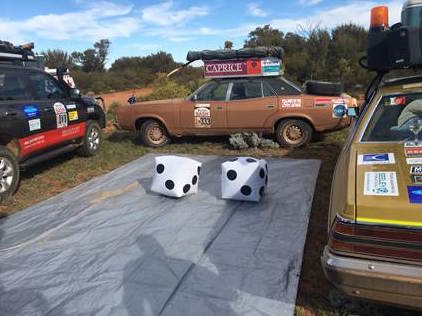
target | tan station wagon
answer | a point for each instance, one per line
(267, 105)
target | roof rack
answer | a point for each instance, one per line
(10, 52)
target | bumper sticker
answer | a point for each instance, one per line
(415, 194)
(202, 116)
(376, 159)
(381, 184)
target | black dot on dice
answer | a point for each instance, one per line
(261, 191)
(250, 160)
(160, 168)
(194, 180)
(266, 180)
(199, 171)
(266, 167)
(234, 159)
(246, 190)
(186, 188)
(231, 175)
(169, 184)
(262, 173)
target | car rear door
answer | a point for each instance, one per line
(248, 106)
(205, 112)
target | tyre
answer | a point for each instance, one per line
(92, 140)
(9, 173)
(154, 134)
(323, 88)
(294, 133)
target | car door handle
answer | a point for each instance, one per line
(10, 113)
(219, 107)
(270, 106)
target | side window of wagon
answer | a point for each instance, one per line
(248, 89)
(214, 91)
(13, 86)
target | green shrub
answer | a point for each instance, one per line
(251, 140)
(165, 88)
(113, 107)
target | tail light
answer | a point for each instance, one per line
(379, 18)
(375, 241)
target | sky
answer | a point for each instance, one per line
(141, 27)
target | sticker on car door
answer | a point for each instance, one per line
(61, 115)
(202, 116)
(73, 116)
(381, 184)
(34, 125)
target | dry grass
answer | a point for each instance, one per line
(60, 174)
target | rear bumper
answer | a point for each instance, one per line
(384, 282)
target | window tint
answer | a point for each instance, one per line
(396, 118)
(13, 87)
(214, 91)
(45, 87)
(246, 90)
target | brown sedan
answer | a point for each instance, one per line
(226, 106)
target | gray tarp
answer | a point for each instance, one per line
(111, 247)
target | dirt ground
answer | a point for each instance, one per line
(121, 97)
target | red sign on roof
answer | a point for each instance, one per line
(240, 68)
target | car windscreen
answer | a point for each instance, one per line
(397, 118)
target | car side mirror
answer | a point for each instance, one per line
(74, 93)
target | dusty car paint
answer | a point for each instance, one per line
(376, 276)
(231, 116)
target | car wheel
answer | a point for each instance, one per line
(154, 134)
(92, 140)
(9, 173)
(294, 133)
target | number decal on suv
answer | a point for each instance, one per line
(61, 115)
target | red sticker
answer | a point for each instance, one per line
(43, 140)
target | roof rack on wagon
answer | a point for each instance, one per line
(12, 53)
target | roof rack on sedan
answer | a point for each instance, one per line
(11, 53)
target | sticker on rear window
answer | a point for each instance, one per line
(415, 194)
(376, 159)
(202, 116)
(61, 115)
(381, 184)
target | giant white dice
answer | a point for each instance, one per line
(244, 179)
(176, 176)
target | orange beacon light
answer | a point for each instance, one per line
(379, 17)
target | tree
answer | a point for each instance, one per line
(93, 59)
(55, 58)
(228, 45)
(264, 36)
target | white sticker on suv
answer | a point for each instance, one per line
(34, 125)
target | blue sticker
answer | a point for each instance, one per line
(377, 158)
(415, 194)
(340, 110)
(30, 111)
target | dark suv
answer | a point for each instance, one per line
(40, 117)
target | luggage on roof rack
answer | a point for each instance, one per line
(226, 54)
(10, 52)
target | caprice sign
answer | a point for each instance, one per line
(242, 68)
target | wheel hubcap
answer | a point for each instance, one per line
(156, 135)
(6, 174)
(293, 134)
(93, 139)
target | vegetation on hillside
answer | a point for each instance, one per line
(311, 53)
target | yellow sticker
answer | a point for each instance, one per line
(73, 116)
